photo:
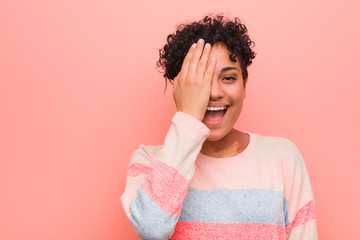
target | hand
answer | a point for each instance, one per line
(193, 83)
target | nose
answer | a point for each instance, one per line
(216, 91)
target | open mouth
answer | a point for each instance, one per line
(215, 113)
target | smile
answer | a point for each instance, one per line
(215, 115)
(216, 108)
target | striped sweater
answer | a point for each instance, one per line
(175, 192)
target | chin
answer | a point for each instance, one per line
(215, 136)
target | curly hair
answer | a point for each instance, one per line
(217, 29)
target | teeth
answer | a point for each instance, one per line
(216, 108)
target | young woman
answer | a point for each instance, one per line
(209, 180)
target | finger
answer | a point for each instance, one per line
(185, 64)
(203, 61)
(209, 73)
(195, 58)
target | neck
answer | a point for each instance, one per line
(232, 144)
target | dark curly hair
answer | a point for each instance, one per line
(213, 29)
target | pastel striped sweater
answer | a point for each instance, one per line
(175, 192)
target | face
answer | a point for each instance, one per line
(226, 96)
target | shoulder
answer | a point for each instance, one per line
(277, 147)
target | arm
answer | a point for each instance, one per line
(301, 214)
(158, 179)
(304, 224)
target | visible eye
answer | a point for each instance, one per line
(229, 78)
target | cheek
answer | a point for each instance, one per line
(236, 112)
(237, 95)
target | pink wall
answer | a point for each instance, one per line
(79, 92)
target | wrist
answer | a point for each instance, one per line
(192, 114)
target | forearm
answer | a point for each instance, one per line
(158, 184)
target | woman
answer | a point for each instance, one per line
(209, 180)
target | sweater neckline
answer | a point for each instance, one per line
(243, 155)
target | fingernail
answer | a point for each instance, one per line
(201, 40)
(193, 45)
(207, 45)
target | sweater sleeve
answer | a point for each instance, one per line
(301, 215)
(158, 178)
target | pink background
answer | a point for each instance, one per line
(79, 92)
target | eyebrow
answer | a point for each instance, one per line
(228, 69)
